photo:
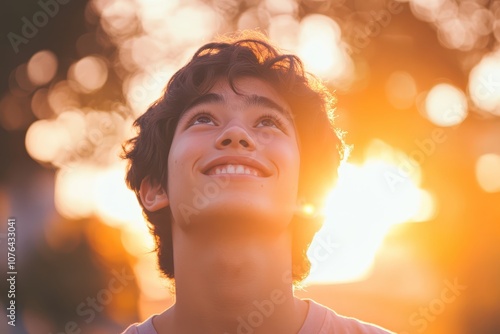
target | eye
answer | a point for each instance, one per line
(202, 118)
(271, 121)
(267, 122)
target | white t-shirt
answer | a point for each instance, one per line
(319, 320)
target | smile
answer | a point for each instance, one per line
(234, 169)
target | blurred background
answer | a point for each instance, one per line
(412, 236)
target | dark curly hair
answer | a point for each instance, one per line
(246, 55)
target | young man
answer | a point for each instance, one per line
(230, 166)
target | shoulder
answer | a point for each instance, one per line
(145, 327)
(328, 321)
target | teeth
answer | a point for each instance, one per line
(234, 169)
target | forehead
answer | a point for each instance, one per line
(246, 87)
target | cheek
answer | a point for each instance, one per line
(180, 159)
(287, 157)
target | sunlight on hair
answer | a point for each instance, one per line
(484, 84)
(488, 172)
(367, 201)
(446, 105)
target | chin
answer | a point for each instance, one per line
(238, 211)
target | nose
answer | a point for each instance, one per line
(235, 136)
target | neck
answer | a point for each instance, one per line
(234, 282)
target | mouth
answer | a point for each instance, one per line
(236, 166)
(234, 169)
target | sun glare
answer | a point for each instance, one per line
(360, 211)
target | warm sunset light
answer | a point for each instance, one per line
(410, 238)
(366, 202)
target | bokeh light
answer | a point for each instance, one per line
(319, 47)
(73, 196)
(427, 10)
(284, 31)
(62, 97)
(89, 74)
(446, 105)
(118, 18)
(42, 67)
(40, 104)
(45, 140)
(488, 172)
(113, 201)
(484, 84)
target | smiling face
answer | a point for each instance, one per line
(235, 158)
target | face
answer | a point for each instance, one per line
(234, 158)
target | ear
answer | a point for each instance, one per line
(153, 197)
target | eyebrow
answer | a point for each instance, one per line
(250, 100)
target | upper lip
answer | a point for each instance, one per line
(237, 160)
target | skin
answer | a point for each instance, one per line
(231, 237)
